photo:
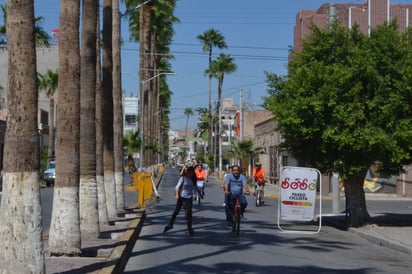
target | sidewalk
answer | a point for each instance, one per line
(107, 254)
(390, 230)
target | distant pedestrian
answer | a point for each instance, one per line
(184, 197)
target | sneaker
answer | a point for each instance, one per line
(167, 228)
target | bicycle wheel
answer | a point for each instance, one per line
(258, 198)
(237, 219)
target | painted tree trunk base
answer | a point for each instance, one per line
(64, 234)
(21, 224)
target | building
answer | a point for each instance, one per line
(367, 15)
(130, 113)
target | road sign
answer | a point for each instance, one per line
(298, 194)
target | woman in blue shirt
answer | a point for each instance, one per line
(184, 195)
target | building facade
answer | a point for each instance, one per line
(367, 16)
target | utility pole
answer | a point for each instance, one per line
(241, 114)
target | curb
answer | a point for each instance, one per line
(120, 254)
(380, 240)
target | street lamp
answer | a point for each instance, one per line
(142, 114)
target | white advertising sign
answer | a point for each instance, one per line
(298, 193)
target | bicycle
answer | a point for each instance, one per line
(196, 196)
(258, 195)
(236, 216)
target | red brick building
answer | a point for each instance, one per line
(367, 15)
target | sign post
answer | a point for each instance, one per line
(298, 196)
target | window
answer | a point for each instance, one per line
(130, 119)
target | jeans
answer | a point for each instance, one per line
(230, 202)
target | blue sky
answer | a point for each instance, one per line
(257, 32)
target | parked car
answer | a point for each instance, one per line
(50, 173)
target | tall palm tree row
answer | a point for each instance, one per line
(211, 38)
(64, 234)
(20, 213)
(224, 64)
(152, 26)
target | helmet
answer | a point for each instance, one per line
(258, 164)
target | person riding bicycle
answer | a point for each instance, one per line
(201, 176)
(258, 174)
(235, 183)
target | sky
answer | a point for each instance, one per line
(258, 34)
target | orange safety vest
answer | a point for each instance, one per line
(200, 174)
(259, 174)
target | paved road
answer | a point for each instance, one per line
(260, 247)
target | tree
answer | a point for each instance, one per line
(64, 236)
(342, 106)
(243, 152)
(131, 141)
(88, 199)
(211, 38)
(101, 192)
(42, 38)
(222, 65)
(49, 82)
(188, 112)
(20, 211)
(107, 105)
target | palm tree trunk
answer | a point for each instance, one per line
(50, 145)
(101, 193)
(108, 155)
(118, 109)
(64, 237)
(89, 217)
(20, 211)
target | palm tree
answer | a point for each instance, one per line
(101, 193)
(20, 210)
(188, 112)
(243, 152)
(117, 110)
(64, 237)
(211, 38)
(222, 65)
(49, 82)
(88, 200)
(131, 141)
(42, 38)
(107, 104)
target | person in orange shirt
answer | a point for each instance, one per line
(258, 174)
(201, 175)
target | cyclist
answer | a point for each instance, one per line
(258, 174)
(235, 183)
(201, 176)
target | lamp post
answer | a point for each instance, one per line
(142, 114)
